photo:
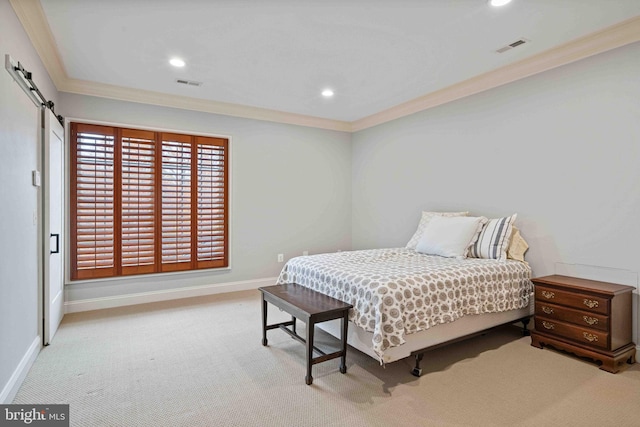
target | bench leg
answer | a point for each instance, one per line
(264, 321)
(310, 327)
(343, 359)
(293, 327)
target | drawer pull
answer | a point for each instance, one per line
(548, 310)
(590, 337)
(548, 295)
(548, 325)
(590, 320)
(590, 303)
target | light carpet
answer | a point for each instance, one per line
(200, 362)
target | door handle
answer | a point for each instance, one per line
(57, 250)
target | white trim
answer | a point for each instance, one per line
(102, 90)
(69, 120)
(36, 26)
(184, 274)
(34, 21)
(165, 295)
(618, 35)
(13, 385)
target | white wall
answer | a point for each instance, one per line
(19, 200)
(290, 191)
(561, 148)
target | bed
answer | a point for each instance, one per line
(406, 302)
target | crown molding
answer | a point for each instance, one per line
(102, 90)
(35, 23)
(37, 28)
(618, 35)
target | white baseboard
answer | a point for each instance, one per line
(165, 295)
(10, 389)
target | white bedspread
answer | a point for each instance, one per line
(395, 292)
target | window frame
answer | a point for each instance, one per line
(70, 275)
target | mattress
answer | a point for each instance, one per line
(398, 292)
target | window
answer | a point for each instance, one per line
(146, 202)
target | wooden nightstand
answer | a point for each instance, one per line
(585, 317)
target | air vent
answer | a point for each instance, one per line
(188, 82)
(515, 44)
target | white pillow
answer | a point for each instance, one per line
(424, 221)
(494, 239)
(450, 236)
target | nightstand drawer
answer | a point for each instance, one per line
(573, 299)
(589, 337)
(580, 318)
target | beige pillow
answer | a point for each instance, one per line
(517, 247)
(424, 221)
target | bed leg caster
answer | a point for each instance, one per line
(417, 370)
(264, 342)
(343, 369)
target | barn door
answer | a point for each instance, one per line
(53, 181)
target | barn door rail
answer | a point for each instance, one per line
(25, 81)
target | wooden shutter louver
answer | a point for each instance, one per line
(92, 196)
(211, 209)
(138, 207)
(146, 202)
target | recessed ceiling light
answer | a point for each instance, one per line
(499, 2)
(327, 93)
(177, 62)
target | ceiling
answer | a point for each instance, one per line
(278, 55)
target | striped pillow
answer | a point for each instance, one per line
(494, 239)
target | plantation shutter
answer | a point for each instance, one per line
(147, 202)
(211, 203)
(176, 202)
(138, 207)
(92, 199)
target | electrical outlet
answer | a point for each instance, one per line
(280, 257)
(305, 253)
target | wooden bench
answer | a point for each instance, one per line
(311, 307)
